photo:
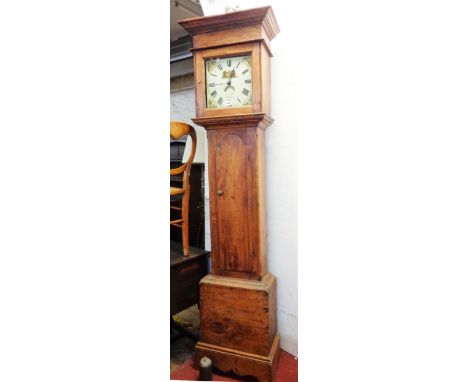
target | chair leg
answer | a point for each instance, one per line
(185, 239)
(185, 225)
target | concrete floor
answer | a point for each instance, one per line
(183, 348)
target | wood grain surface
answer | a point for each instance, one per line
(238, 314)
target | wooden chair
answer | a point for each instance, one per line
(178, 130)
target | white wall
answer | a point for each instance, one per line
(183, 105)
(281, 162)
(183, 109)
(281, 175)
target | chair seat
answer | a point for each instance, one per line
(176, 191)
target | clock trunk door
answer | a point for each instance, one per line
(235, 207)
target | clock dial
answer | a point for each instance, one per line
(228, 82)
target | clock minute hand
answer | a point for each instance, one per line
(222, 83)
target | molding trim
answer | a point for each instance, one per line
(238, 19)
(260, 120)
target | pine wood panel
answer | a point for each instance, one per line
(228, 309)
(265, 80)
(238, 224)
(233, 189)
(249, 33)
(238, 215)
(261, 183)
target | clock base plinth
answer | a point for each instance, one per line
(226, 359)
(238, 325)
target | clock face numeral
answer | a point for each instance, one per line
(231, 86)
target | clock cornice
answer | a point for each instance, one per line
(237, 19)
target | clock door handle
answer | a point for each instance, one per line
(220, 192)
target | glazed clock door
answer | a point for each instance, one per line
(235, 213)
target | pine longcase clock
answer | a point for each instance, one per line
(232, 84)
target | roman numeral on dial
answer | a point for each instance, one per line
(212, 85)
(213, 94)
(229, 63)
(220, 101)
(245, 71)
(245, 91)
(219, 66)
(248, 81)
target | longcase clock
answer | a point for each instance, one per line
(232, 84)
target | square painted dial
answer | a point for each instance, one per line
(228, 82)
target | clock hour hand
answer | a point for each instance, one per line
(229, 86)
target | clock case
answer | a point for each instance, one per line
(234, 34)
(238, 299)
